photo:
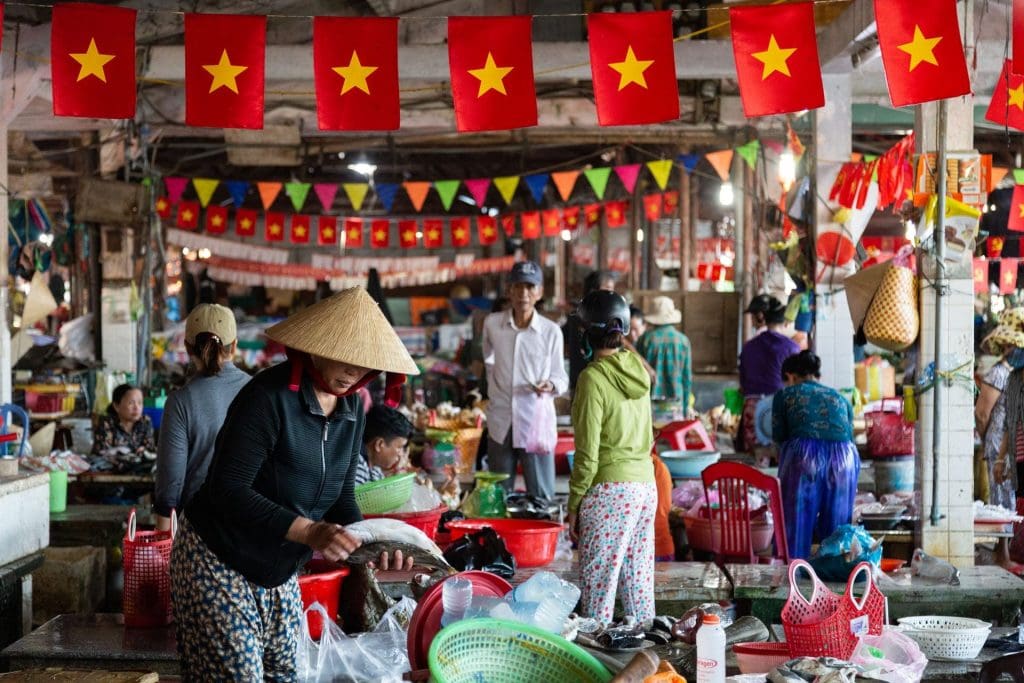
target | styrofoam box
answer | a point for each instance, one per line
(24, 516)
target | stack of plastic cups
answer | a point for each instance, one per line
(456, 597)
(550, 598)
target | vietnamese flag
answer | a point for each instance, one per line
(245, 222)
(355, 67)
(1006, 108)
(300, 228)
(432, 235)
(980, 271)
(224, 63)
(508, 224)
(353, 233)
(615, 214)
(571, 217)
(652, 206)
(531, 224)
(776, 55)
(188, 215)
(670, 202)
(380, 233)
(216, 219)
(163, 207)
(407, 230)
(1016, 219)
(592, 214)
(459, 228)
(633, 66)
(273, 228)
(326, 230)
(1008, 275)
(551, 219)
(922, 52)
(491, 63)
(486, 230)
(994, 246)
(92, 61)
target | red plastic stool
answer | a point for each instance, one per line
(685, 435)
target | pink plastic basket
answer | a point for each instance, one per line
(146, 601)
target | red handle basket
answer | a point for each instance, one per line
(147, 580)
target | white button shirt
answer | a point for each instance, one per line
(517, 359)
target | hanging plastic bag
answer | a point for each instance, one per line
(892, 320)
(542, 432)
(888, 429)
(487, 499)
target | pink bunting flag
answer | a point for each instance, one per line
(326, 193)
(175, 188)
(478, 189)
(628, 173)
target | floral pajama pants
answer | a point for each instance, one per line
(229, 629)
(616, 545)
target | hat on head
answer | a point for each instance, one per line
(213, 319)
(1008, 334)
(526, 271)
(663, 312)
(760, 303)
(348, 327)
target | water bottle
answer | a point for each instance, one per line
(1020, 627)
(711, 651)
(456, 597)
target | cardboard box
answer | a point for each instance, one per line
(875, 380)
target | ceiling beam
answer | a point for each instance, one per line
(839, 40)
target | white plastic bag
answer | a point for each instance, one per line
(542, 432)
(891, 656)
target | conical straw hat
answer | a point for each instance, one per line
(348, 327)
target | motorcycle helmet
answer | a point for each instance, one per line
(604, 310)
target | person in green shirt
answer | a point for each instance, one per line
(667, 350)
(612, 494)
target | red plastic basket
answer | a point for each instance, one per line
(322, 584)
(531, 542)
(888, 431)
(147, 581)
(424, 521)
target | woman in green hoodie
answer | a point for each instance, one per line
(612, 495)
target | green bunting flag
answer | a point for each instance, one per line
(297, 193)
(1018, 176)
(446, 190)
(598, 178)
(749, 152)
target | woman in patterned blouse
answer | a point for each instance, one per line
(124, 425)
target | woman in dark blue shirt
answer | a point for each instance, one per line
(818, 461)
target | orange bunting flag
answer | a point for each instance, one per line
(998, 173)
(355, 68)
(653, 206)
(491, 62)
(592, 214)
(433, 237)
(508, 224)
(565, 181)
(459, 228)
(486, 230)
(417, 191)
(326, 230)
(531, 224)
(1006, 108)
(300, 228)
(632, 62)
(380, 233)
(92, 61)
(407, 230)
(615, 214)
(980, 271)
(273, 226)
(163, 207)
(571, 217)
(670, 203)
(776, 55)
(551, 219)
(188, 215)
(245, 222)
(268, 193)
(224, 64)
(721, 161)
(1008, 275)
(216, 219)
(922, 53)
(1016, 218)
(353, 233)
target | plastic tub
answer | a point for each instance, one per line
(322, 584)
(760, 658)
(688, 464)
(894, 475)
(424, 521)
(532, 542)
(703, 534)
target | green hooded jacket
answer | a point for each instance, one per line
(611, 417)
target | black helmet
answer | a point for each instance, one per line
(604, 310)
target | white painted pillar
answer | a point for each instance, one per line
(6, 377)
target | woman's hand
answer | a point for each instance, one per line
(571, 521)
(396, 561)
(333, 542)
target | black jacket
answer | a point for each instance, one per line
(277, 457)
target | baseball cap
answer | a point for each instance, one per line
(212, 318)
(526, 271)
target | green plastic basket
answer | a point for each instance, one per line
(500, 651)
(385, 495)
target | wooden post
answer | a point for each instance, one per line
(637, 263)
(750, 263)
(684, 230)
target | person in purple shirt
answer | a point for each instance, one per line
(761, 369)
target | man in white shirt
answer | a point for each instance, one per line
(523, 357)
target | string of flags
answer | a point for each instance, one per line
(632, 61)
(1008, 269)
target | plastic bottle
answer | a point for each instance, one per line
(711, 651)
(1020, 627)
(456, 597)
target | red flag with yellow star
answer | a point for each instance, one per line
(508, 224)
(1016, 219)
(994, 246)
(633, 66)
(571, 217)
(980, 271)
(245, 222)
(776, 56)
(433, 237)
(407, 230)
(486, 230)
(531, 224)
(353, 233)
(551, 219)
(1006, 108)
(326, 230)
(163, 207)
(491, 62)
(300, 228)
(1008, 275)
(922, 52)
(459, 228)
(670, 202)
(380, 233)
(216, 219)
(615, 214)
(188, 215)
(592, 214)
(92, 60)
(653, 206)
(224, 66)
(355, 68)
(273, 226)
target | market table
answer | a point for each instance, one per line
(98, 525)
(990, 593)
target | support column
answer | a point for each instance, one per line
(5, 317)
(833, 328)
(684, 230)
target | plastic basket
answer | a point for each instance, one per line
(888, 431)
(499, 651)
(468, 441)
(385, 495)
(947, 638)
(147, 582)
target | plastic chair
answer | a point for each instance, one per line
(7, 411)
(734, 480)
(1011, 665)
(675, 435)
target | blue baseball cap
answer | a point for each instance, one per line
(528, 272)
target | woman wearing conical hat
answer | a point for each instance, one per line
(279, 487)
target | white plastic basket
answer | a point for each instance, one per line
(947, 638)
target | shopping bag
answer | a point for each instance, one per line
(892, 320)
(542, 432)
(146, 601)
(888, 431)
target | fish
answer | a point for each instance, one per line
(384, 530)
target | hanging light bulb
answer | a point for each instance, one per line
(725, 194)
(787, 170)
(566, 235)
(640, 235)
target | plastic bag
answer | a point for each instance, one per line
(891, 656)
(889, 432)
(482, 550)
(380, 655)
(542, 432)
(843, 550)
(487, 499)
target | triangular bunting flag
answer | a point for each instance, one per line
(507, 187)
(446, 190)
(238, 189)
(297, 192)
(749, 152)
(356, 193)
(478, 189)
(565, 181)
(417, 191)
(386, 193)
(998, 173)
(689, 161)
(326, 192)
(1018, 176)
(598, 179)
(175, 188)
(661, 169)
(268, 193)
(204, 189)
(628, 173)
(721, 161)
(537, 182)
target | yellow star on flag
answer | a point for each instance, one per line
(1020, 207)
(613, 213)
(91, 61)
(186, 215)
(355, 74)
(920, 49)
(631, 69)
(328, 233)
(488, 231)
(300, 231)
(353, 234)
(1016, 96)
(491, 76)
(246, 223)
(1008, 277)
(275, 229)
(408, 236)
(380, 235)
(161, 204)
(774, 58)
(215, 221)
(434, 235)
(460, 233)
(224, 73)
